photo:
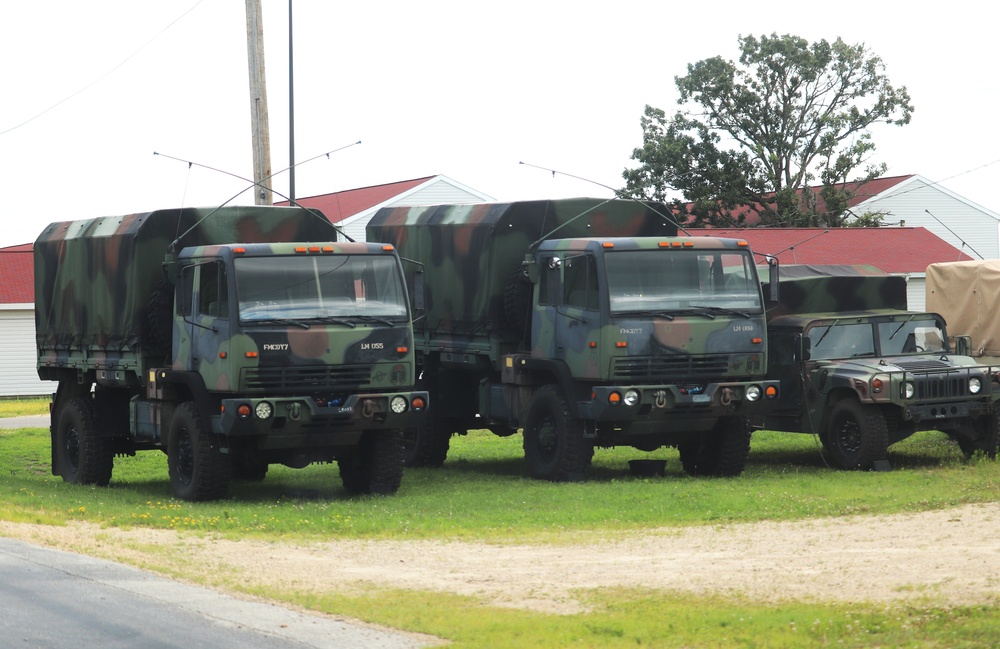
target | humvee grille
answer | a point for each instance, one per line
(940, 387)
(660, 369)
(287, 379)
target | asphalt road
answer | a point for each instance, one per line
(59, 600)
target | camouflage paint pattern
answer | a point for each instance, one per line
(691, 368)
(94, 281)
(812, 386)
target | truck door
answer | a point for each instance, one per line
(577, 323)
(208, 325)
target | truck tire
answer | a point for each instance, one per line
(159, 316)
(198, 471)
(857, 435)
(723, 452)
(376, 464)
(82, 456)
(554, 446)
(426, 445)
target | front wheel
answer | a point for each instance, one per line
(198, 471)
(82, 456)
(375, 466)
(857, 435)
(554, 446)
(988, 440)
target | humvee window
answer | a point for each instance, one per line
(841, 340)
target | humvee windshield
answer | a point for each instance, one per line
(315, 287)
(914, 334)
(671, 280)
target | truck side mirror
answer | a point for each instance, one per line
(185, 289)
(805, 345)
(773, 278)
(418, 291)
(963, 345)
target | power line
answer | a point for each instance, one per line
(105, 75)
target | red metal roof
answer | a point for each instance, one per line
(891, 250)
(341, 205)
(17, 272)
(861, 191)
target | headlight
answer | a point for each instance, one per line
(631, 397)
(975, 385)
(398, 405)
(263, 410)
(908, 390)
(753, 393)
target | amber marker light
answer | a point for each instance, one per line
(741, 244)
(621, 343)
(387, 248)
(251, 354)
(771, 392)
(402, 350)
(301, 249)
(240, 250)
(608, 244)
(418, 403)
(614, 398)
(223, 354)
(756, 341)
(327, 248)
(592, 344)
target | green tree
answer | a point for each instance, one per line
(755, 135)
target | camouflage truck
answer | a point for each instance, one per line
(230, 339)
(861, 372)
(585, 323)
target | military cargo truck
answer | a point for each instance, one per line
(861, 372)
(230, 339)
(585, 323)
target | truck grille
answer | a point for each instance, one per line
(308, 379)
(668, 368)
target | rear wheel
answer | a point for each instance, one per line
(427, 444)
(82, 456)
(987, 442)
(554, 446)
(857, 435)
(722, 452)
(375, 466)
(198, 471)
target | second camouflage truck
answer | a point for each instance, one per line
(861, 372)
(230, 339)
(585, 323)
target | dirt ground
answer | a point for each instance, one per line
(947, 557)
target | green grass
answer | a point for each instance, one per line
(18, 407)
(481, 494)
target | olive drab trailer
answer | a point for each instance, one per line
(862, 372)
(585, 323)
(230, 339)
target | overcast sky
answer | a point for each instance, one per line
(466, 89)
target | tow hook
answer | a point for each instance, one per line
(727, 396)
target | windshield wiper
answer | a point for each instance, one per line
(374, 318)
(719, 309)
(282, 321)
(329, 319)
(648, 312)
(902, 324)
(828, 330)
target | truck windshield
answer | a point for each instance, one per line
(841, 340)
(913, 335)
(679, 280)
(316, 287)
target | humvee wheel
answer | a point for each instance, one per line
(722, 452)
(375, 466)
(554, 447)
(857, 435)
(198, 471)
(987, 442)
(82, 456)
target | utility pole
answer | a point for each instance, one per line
(258, 105)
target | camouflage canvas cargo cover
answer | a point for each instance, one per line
(862, 372)
(158, 331)
(519, 328)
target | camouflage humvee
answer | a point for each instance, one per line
(861, 372)
(585, 323)
(231, 339)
